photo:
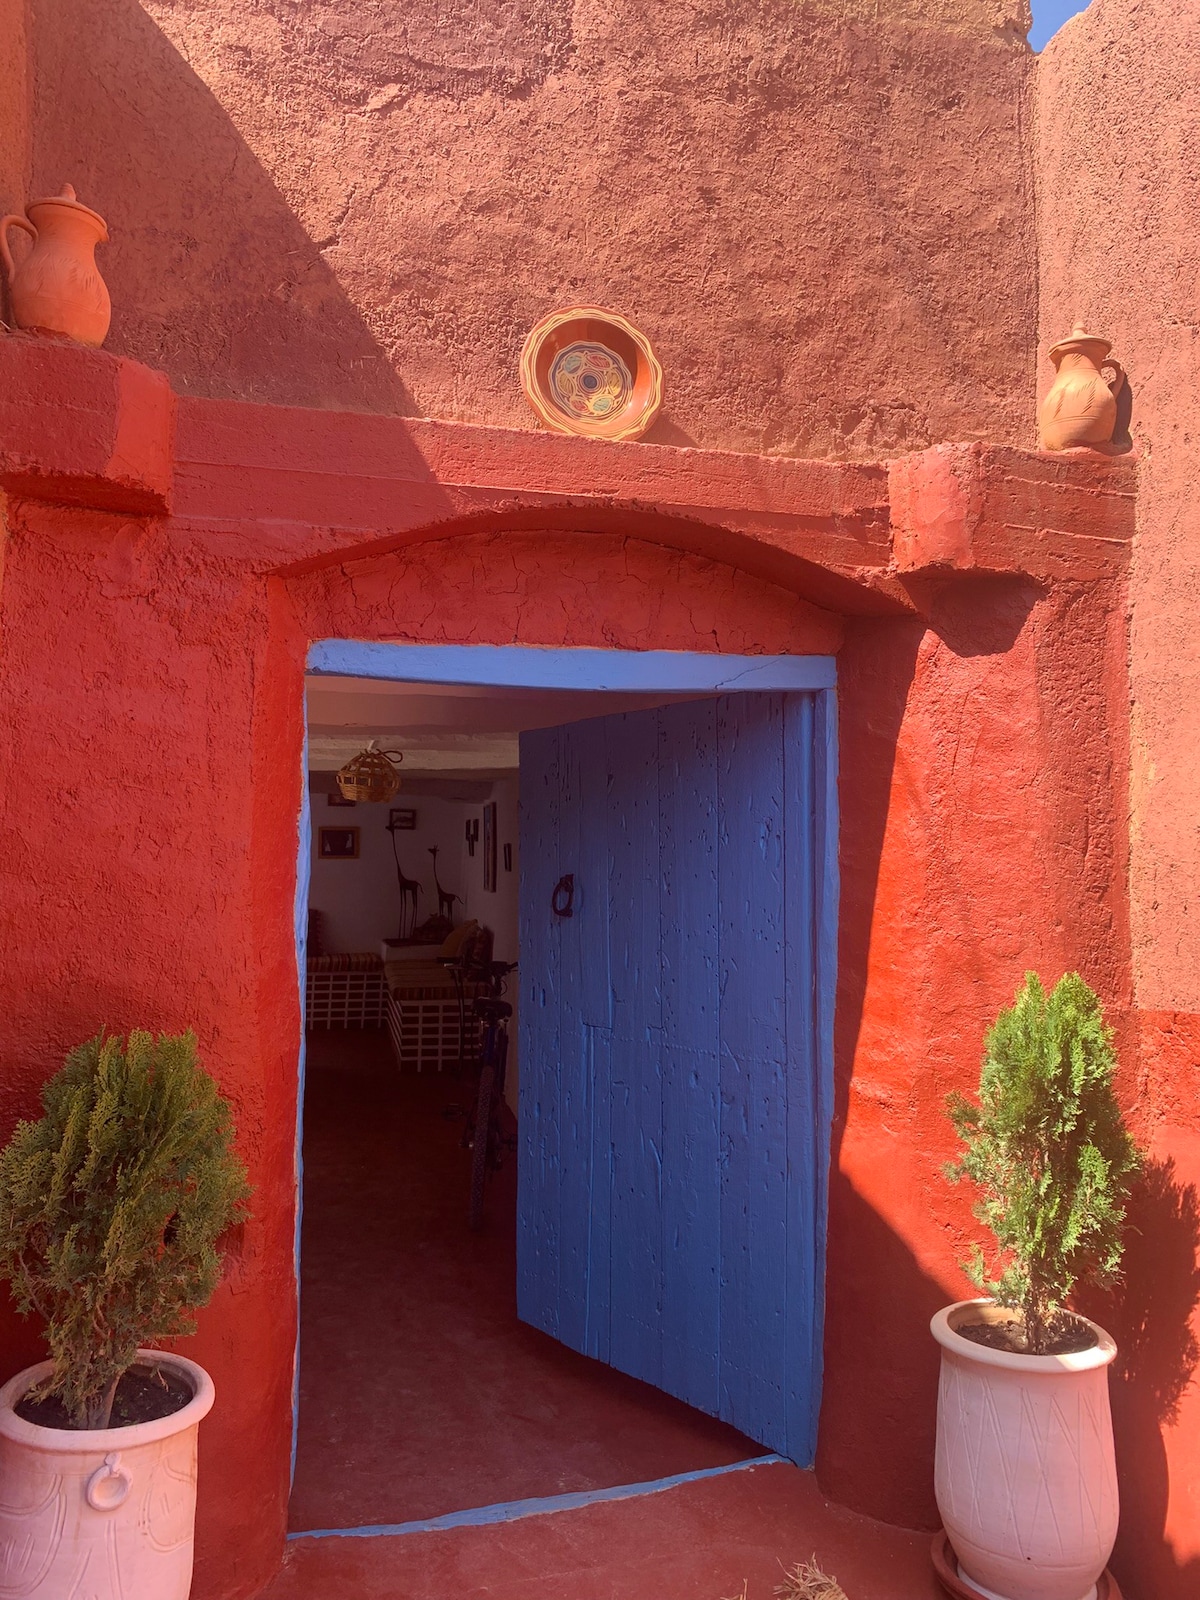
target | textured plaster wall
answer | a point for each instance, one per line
(14, 115)
(977, 793)
(980, 763)
(1119, 151)
(820, 211)
(158, 671)
(158, 894)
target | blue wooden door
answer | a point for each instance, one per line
(674, 1036)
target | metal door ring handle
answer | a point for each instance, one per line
(562, 901)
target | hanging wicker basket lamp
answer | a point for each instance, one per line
(371, 775)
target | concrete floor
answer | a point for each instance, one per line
(422, 1395)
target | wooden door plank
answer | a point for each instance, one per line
(592, 907)
(636, 1104)
(581, 938)
(537, 1171)
(690, 1060)
(753, 1063)
(803, 1330)
(592, 881)
(598, 1309)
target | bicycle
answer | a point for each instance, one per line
(487, 1152)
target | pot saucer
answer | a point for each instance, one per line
(946, 1568)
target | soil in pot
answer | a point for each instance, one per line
(1068, 1335)
(144, 1394)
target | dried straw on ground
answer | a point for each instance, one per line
(804, 1581)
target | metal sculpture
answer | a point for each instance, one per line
(446, 900)
(410, 888)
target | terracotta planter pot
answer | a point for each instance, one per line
(1026, 1479)
(107, 1513)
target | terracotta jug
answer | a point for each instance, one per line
(57, 289)
(1081, 408)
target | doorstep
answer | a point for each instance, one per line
(701, 1538)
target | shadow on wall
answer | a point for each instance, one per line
(1123, 429)
(894, 1240)
(878, 1416)
(1151, 1316)
(979, 615)
(880, 1384)
(212, 276)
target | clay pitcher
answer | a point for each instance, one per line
(1081, 408)
(57, 289)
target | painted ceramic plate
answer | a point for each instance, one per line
(590, 372)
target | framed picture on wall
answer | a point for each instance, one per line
(401, 818)
(337, 844)
(489, 846)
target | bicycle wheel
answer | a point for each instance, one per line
(481, 1145)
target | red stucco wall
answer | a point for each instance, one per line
(819, 212)
(14, 107)
(822, 214)
(152, 670)
(156, 670)
(1119, 151)
(981, 775)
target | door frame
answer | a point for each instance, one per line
(604, 671)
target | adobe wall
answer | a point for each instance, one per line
(981, 768)
(14, 114)
(1119, 163)
(154, 666)
(820, 211)
(155, 669)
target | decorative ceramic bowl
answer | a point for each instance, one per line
(590, 372)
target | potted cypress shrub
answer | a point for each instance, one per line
(1025, 1471)
(112, 1206)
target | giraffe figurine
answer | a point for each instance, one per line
(410, 888)
(446, 900)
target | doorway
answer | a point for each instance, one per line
(421, 1392)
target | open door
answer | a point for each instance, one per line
(674, 1049)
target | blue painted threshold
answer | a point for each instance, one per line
(514, 1510)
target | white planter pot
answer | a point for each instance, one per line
(1026, 1478)
(106, 1514)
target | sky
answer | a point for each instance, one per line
(1049, 16)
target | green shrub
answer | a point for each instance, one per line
(111, 1208)
(1049, 1151)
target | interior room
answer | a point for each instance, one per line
(421, 1393)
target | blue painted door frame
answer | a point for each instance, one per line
(804, 689)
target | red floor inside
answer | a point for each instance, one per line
(420, 1392)
(421, 1395)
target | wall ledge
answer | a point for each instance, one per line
(978, 508)
(291, 489)
(81, 427)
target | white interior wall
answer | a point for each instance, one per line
(359, 900)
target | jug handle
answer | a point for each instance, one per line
(1117, 382)
(13, 221)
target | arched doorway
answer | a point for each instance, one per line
(675, 1069)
